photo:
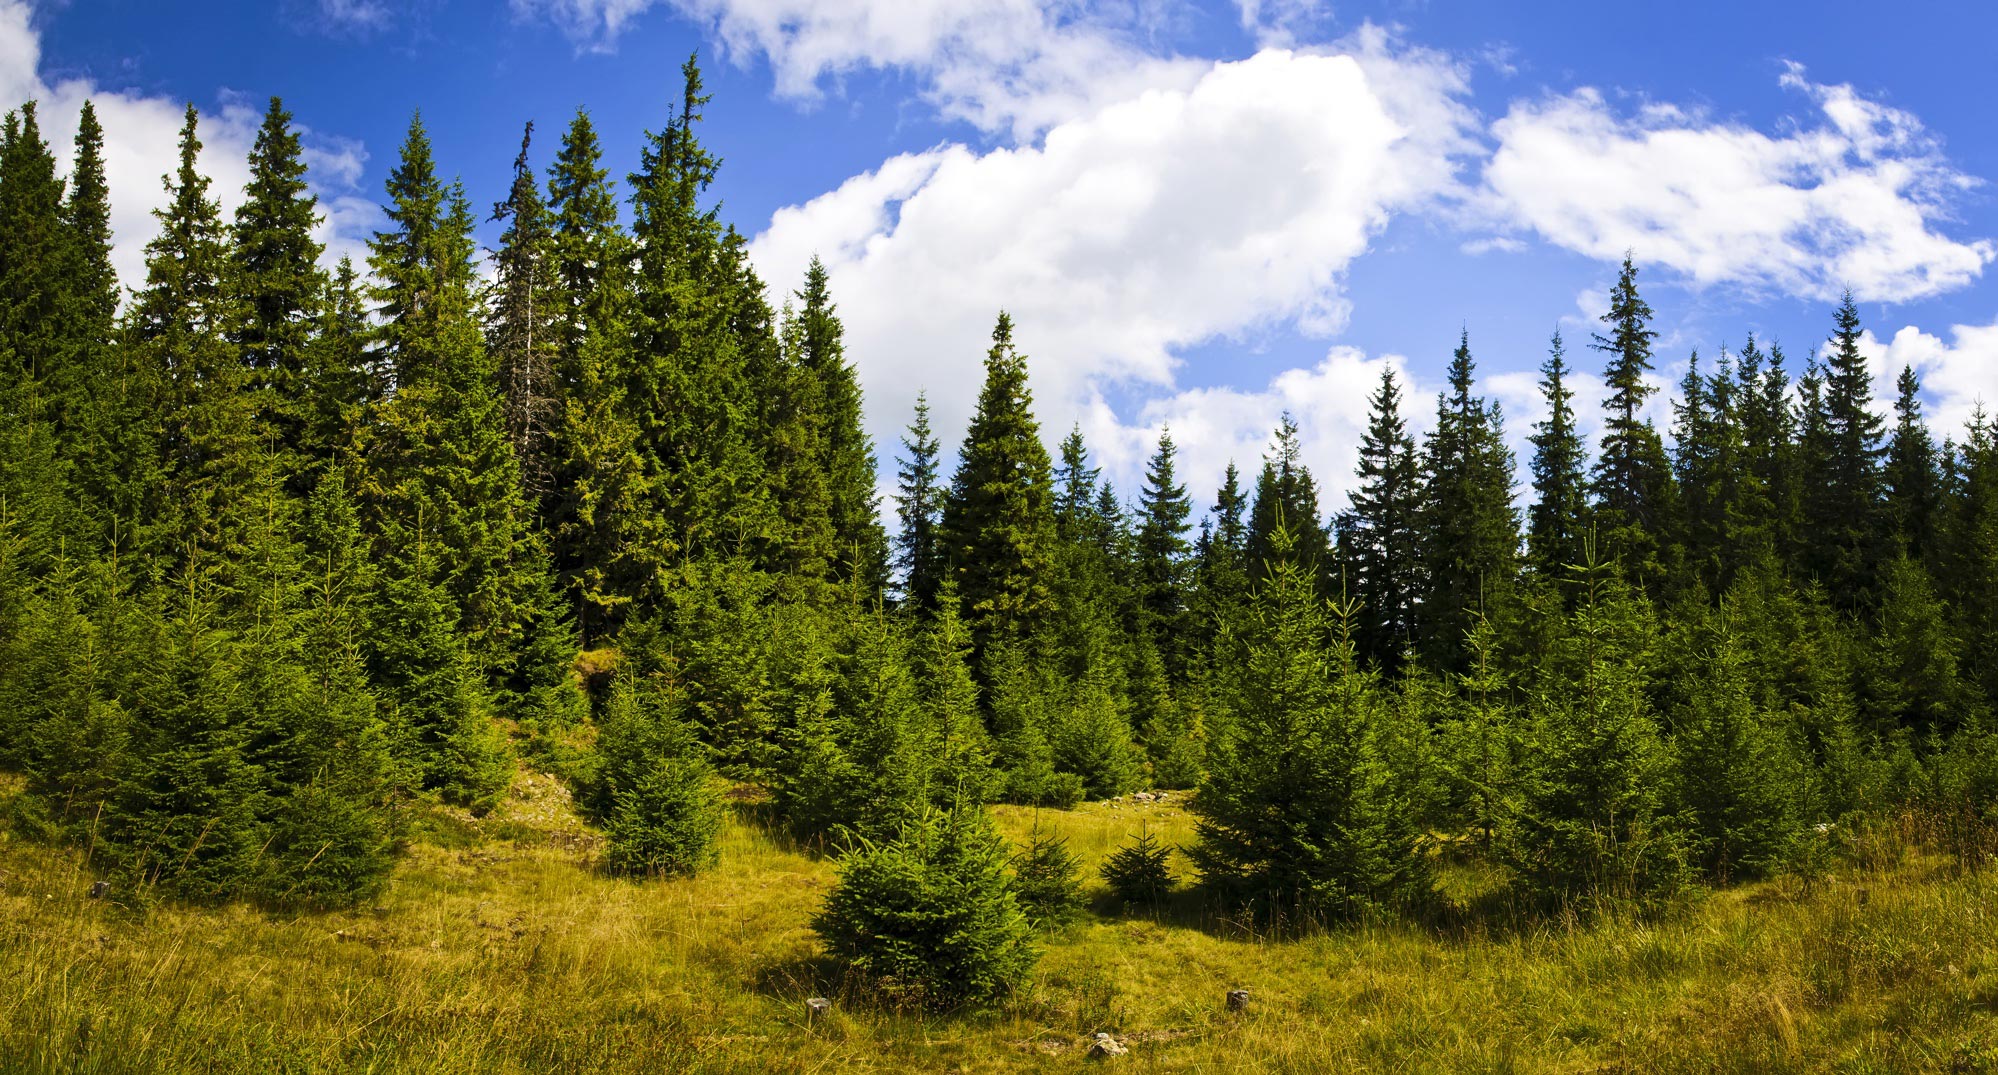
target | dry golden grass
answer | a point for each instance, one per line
(500, 948)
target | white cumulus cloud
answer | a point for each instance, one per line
(1168, 219)
(1856, 200)
(1957, 375)
(1003, 65)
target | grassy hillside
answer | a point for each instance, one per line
(499, 948)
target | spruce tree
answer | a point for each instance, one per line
(846, 455)
(1286, 498)
(1735, 533)
(1379, 538)
(998, 528)
(200, 408)
(1025, 706)
(929, 917)
(687, 385)
(1479, 754)
(441, 457)
(920, 554)
(1843, 505)
(435, 706)
(34, 251)
(111, 447)
(87, 216)
(1700, 466)
(1911, 674)
(1469, 528)
(1307, 807)
(952, 732)
(1913, 477)
(64, 728)
(1971, 559)
(608, 545)
(1221, 574)
(1765, 524)
(1556, 522)
(1734, 775)
(185, 816)
(1077, 489)
(522, 330)
(664, 809)
(278, 286)
(1592, 823)
(313, 730)
(1046, 880)
(347, 377)
(1140, 873)
(588, 246)
(1632, 485)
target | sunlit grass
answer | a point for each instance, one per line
(501, 948)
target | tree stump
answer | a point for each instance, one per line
(1238, 1000)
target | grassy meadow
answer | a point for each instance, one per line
(500, 947)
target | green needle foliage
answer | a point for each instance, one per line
(293, 551)
(661, 807)
(1047, 880)
(930, 916)
(1140, 873)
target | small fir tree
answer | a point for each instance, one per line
(930, 916)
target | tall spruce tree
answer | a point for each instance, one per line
(278, 286)
(1220, 576)
(87, 215)
(1469, 527)
(688, 387)
(442, 469)
(1380, 536)
(1633, 480)
(202, 411)
(1557, 521)
(1701, 464)
(920, 553)
(1913, 477)
(846, 460)
(1843, 504)
(88, 290)
(110, 445)
(33, 252)
(1739, 529)
(608, 546)
(1161, 553)
(522, 326)
(1971, 544)
(998, 526)
(1765, 522)
(588, 246)
(47, 355)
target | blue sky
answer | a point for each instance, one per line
(1201, 212)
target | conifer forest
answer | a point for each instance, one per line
(564, 574)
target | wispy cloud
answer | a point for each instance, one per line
(1856, 200)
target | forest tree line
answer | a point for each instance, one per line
(284, 549)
